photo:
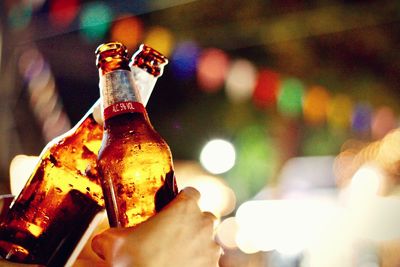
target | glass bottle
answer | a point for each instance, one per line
(63, 194)
(134, 162)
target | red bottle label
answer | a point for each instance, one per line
(122, 107)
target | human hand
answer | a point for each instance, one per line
(180, 235)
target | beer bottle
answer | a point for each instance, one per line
(134, 161)
(63, 194)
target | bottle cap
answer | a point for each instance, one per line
(106, 51)
(150, 60)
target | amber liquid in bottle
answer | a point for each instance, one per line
(61, 197)
(135, 163)
(63, 194)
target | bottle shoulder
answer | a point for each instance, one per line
(134, 134)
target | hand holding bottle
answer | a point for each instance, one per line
(179, 235)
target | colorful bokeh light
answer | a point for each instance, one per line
(240, 80)
(383, 121)
(161, 39)
(211, 69)
(95, 20)
(361, 118)
(184, 59)
(63, 12)
(339, 112)
(315, 104)
(128, 30)
(266, 89)
(290, 97)
(218, 156)
(19, 15)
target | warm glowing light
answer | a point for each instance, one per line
(383, 121)
(315, 104)
(21, 167)
(339, 111)
(218, 156)
(240, 80)
(288, 226)
(211, 69)
(31, 63)
(266, 88)
(127, 29)
(161, 39)
(226, 233)
(216, 196)
(55, 124)
(63, 12)
(366, 181)
(376, 219)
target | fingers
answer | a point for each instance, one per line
(190, 192)
(209, 216)
(98, 246)
(109, 242)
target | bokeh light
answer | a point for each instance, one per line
(218, 156)
(315, 105)
(161, 39)
(20, 15)
(240, 80)
(31, 63)
(128, 30)
(257, 160)
(63, 12)
(267, 225)
(211, 69)
(383, 121)
(226, 233)
(339, 112)
(184, 59)
(216, 196)
(361, 118)
(266, 89)
(290, 97)
(366, 182)
(21, 167)
(95, 19)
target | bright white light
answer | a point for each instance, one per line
(21, 168)
(240, 80)
(216, 196)
(366, 182)
(226, 232)
(218, 156)
(288, 226)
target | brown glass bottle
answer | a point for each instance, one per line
(135, 163)
(59, 200)
(63, 194)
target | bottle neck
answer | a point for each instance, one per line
(144, 81)
(119, 94)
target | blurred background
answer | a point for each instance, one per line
(282, 113)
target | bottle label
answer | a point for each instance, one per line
(122, 107)
(119, 93)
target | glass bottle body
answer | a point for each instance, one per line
(136, 170)
(59, 200)
(63, 194)
(134, 162)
